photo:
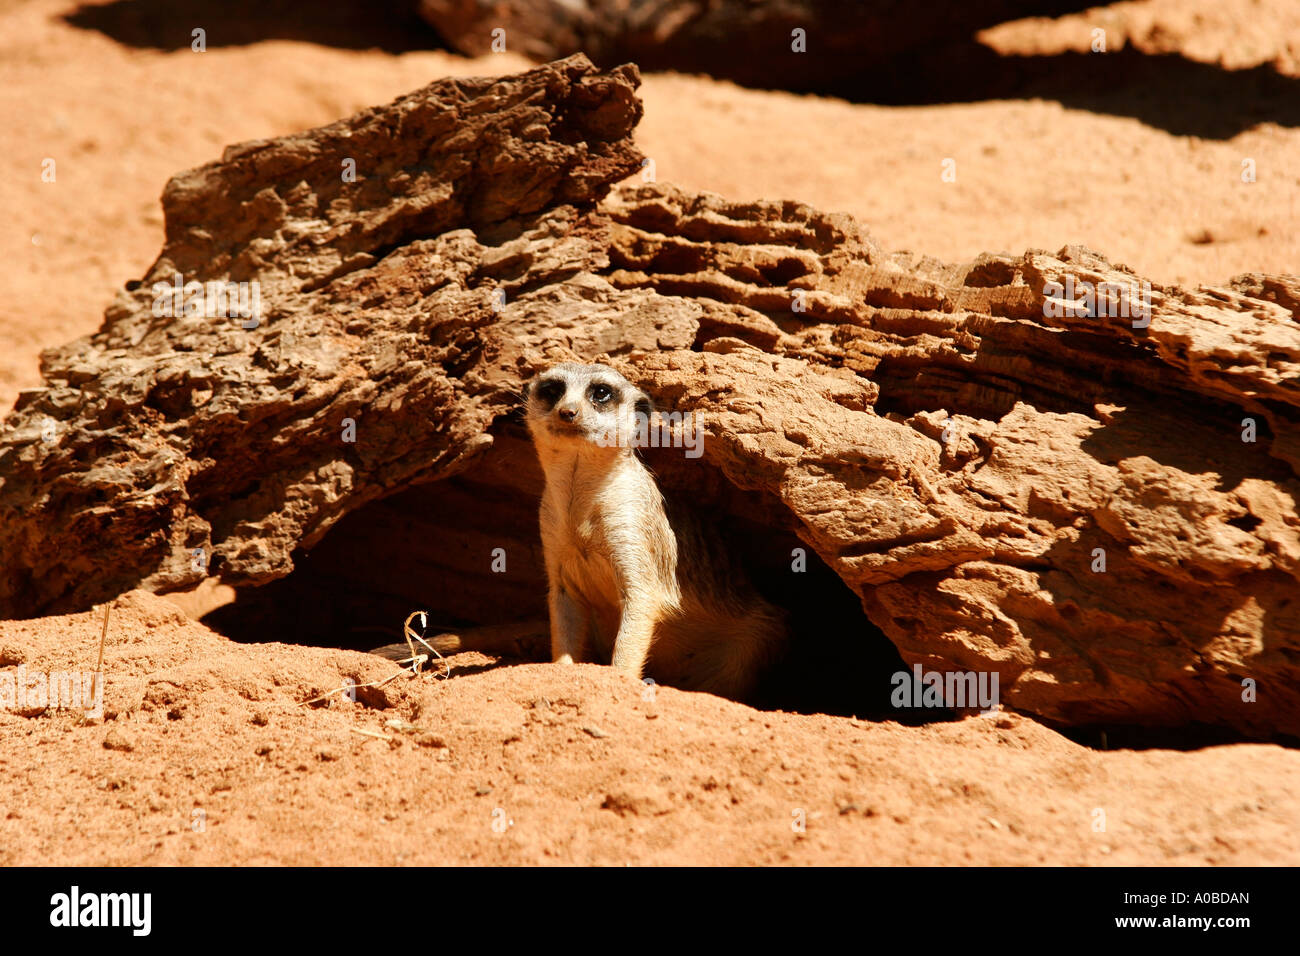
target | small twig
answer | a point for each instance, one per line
(103, 636)
(348, 687)
(419, 659)
(99, 667)
(416, 660)
(371, 733)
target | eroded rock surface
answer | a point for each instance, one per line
(1099, 507)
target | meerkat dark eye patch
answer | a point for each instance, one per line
(600, 393)
(549, 391)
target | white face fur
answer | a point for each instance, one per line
(585, 403)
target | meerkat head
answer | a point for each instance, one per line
(593, 404)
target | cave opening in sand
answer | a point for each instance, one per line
(467, 550)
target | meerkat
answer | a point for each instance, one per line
(634, 579)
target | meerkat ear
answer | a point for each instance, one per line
(643, 406)
(527, 388)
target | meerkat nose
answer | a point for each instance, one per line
(568, 413)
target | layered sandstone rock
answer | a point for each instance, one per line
(1101, 508)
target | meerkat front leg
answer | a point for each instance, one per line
(568, 627)
(644, 550)
(635, 634)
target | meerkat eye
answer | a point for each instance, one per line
(600, 394)
(550, 391)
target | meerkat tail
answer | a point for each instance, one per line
(526, 639)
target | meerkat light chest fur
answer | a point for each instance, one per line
(633, 579)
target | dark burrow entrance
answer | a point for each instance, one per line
(467, 549)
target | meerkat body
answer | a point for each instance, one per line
(634, 580)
